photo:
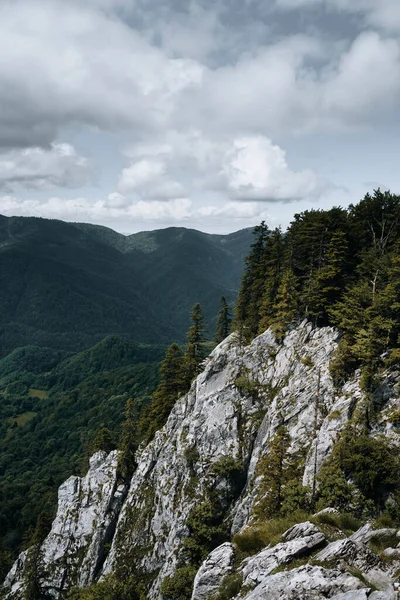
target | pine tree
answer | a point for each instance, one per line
(274, 474)
(286, 307)
(195, 351)
(129, 441)
(223, 321)
(171, 386)
(104, 441)
(274, 250)
(250, 294)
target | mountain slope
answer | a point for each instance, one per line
(200, 482)
(68, 285)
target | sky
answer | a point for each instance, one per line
(212, 114)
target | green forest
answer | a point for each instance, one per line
(337, 267)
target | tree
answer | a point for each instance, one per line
(272, 468)
(286, 307)
(129, 441)
(250, 293)
(104, 441)
(274, 249)
(195, 351)
(223, 321)
(171, 386)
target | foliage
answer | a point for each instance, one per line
(39, 453)
(110, 588)
(206, 531)
(195, 351)
(340, 267)
(223, 321)
(172, 385)
(360, 474)
(259, 535)
(103, 441)
(180, 585)
(230, 586)
(67, 285)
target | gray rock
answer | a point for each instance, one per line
(382, 596)
(305, 583)
(382, 534)
(354, 554)
(71, 552)
(363, 534)
(353, 595)
(300, 530)
(392, 553)
(258, 567)
(209, 577)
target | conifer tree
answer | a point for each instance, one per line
(171, 386)
(274, 474)
(286, 307)
(273, 268)
(195, 351)
(104, 441)
(223, 321)
(250, 293)
(129, 441)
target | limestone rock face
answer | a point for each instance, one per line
(355, 554)
(307, 583)
(231, 413)
(72, 552)
(212, 572)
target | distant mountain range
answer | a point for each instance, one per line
(67, 285)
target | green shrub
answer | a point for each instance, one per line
(259, 536)
(180, 585)
(206, 531)
(246, 386)
(230, 587)
(109, 589)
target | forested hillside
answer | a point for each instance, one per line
(52, 408)
(67, 286)
(338, 267)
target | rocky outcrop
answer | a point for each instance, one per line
(73, 552)
(307, 583)
(257, 568)
(229, 416)
(213, 571)
(354, 554)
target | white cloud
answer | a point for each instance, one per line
(245, 168)
(44, 169)
(257, 170)
(149, 179)
(105, 211)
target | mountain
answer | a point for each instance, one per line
(263, 424)
(67, 286)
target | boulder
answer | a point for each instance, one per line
(209, 577)
(300, 530)
(255, 569)
(354, 554)
(305, 583)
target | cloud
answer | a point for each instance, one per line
(255, 169)
(105, 211)
(149, 179)
(244, 169)
(378, 13)
(67, 63)
(44, 169)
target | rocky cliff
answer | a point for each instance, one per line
(208, 455)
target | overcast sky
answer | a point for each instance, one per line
(213, 114)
